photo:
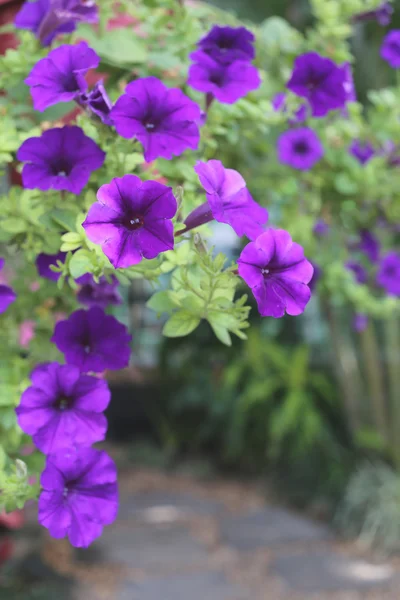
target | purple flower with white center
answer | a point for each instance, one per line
(360, 322)
(7, 294)
(98, 103)
(300, 148)
(275, 269)
(388, 275)
(321, 228)
(93, 341)
(228, 201)
(132, 220)
(382, 15)
(61, 159)
(103, 293)
(360, 274)
(79, 495)
(227, 44)
(48, 18)
(279, 105)
(164, 120)
(63, 408)
(227, 83)
(45, 261)
(369, 245)
(320, 81)
(390, 50)
(362, 151)
(60, 76)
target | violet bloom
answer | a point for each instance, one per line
(164, 120)
(227, 44)
(362, 151)
(382, 15)
(321, 229)
(79, 495)
(45, 261)
(60, 76)
(7, 294)
(228, 201)
(227, 83)
(360, 274)
(279, 105)
(93, 341)
(320, 81)
(390, 50)
(300, 148)
(97, 102)
(132, 220)
(48, 18)
(360, 322)
(101, 294)
(275, 269)
(388, 275)
(369, 245)
(63, 408)
(61, 159)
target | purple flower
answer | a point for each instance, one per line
(321, 229)
(360, 322)
(48, 18)
(93, 341)
(382, 14)
(228, 201)
(7, 294)
(164, 120)
(390, 50)
(227, 83)
(300, 148)
(275, 269)
(63, 408)
(279, 104)
(101, 294)
(388, 275)
(369, 245)
(97, 102)
(79, 495)
(360, 274)
(45, 261)
(362, 151)
(320, 81)
(60, 76)
(227, 44)
(132, 220)
(61, 159)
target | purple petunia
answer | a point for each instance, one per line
(369, 245)
(321, 228)
(226, 82)
(320, 81)
(93, 341)
(360, 274)
(300, 148)
(48, 18)
(388, 275)
(45, 261)
(360, 322)
(79, 495)
(132, 220)
(103, 293)
(61, 159)
(97, 102)
(60, 76)
(382, 14)
(63, 408)
(279, 105)
(228, 201)
(362, 151)
(390, 50)
(164, 120)
(275, 269)
(7, 294)
(227, 44)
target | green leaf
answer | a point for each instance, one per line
(79, 264)
(13, 225)
(161, 302)
(222, 334)
(119, 47)
(64, 218)
(180, 324)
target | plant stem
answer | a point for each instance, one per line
(392, 334)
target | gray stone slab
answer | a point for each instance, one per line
(148, 505)
(326, 571)
(149, 547)
(209, 585)
(269, 527)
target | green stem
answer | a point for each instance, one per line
(392, 334)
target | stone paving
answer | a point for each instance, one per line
(180, 539)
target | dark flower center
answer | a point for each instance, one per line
(301, 147)
(133, 222)
(61, 166)
(265, 271)
(225, 44)
(314, 81)
(69, 83)
(217, 77)
(64, 403)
